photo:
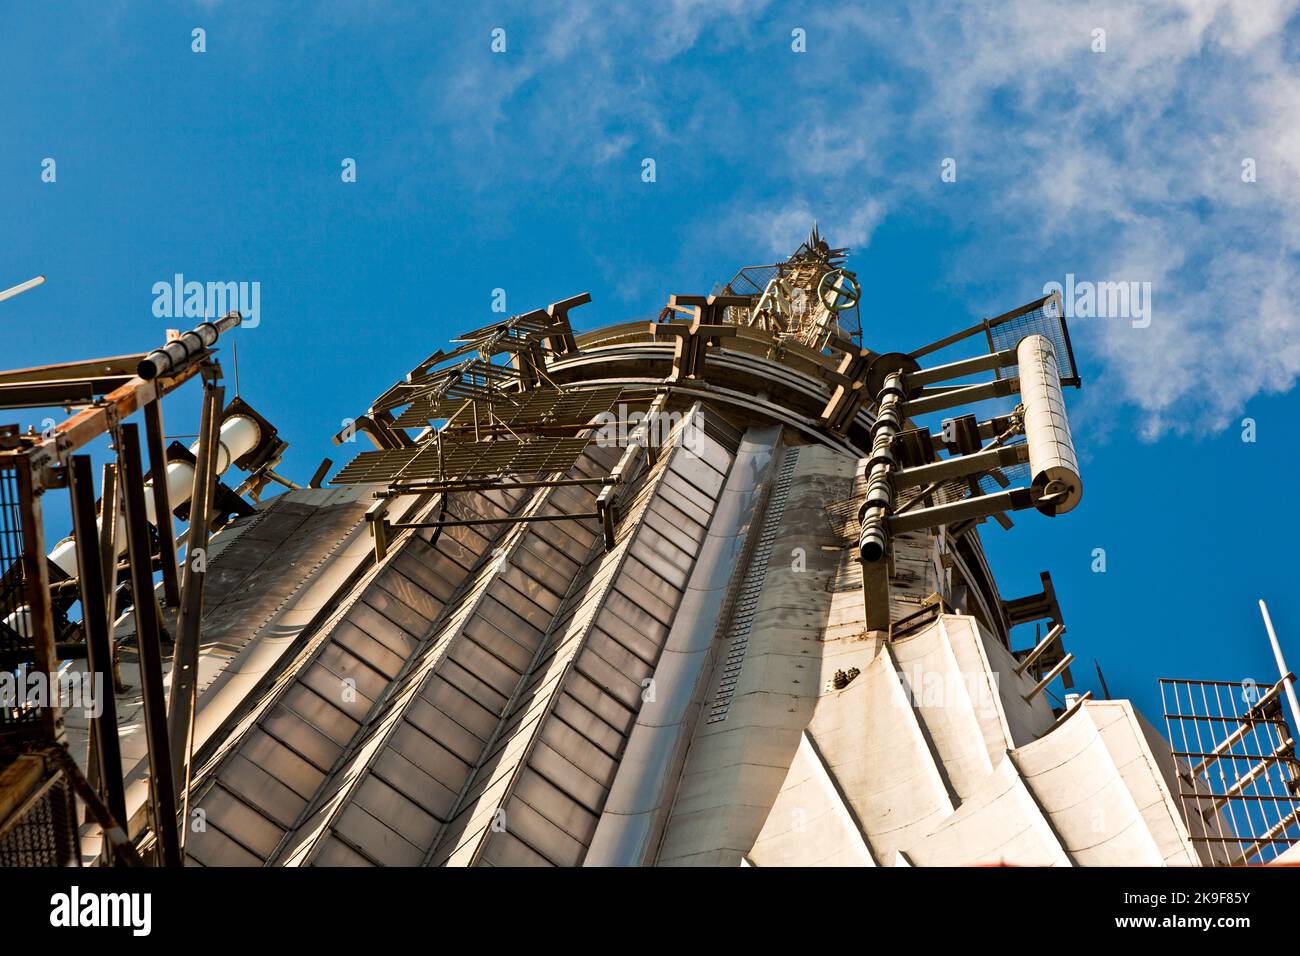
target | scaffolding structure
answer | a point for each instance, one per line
(1237, 766)
(120, 557)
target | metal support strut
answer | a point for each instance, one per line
(185, 662)
(148, 644)
(97, 624)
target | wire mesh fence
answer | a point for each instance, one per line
(43, 831)
(1005, 332)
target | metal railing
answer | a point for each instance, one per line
(1238, 778)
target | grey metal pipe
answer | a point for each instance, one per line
(176, 354)
(1281, 666)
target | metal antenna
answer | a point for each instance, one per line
(1105, 691)
(21, 288)
(1281, 665)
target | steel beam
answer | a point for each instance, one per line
(149, 646)
(36, 579)
(185, 660)
(979, 507)
(58, 392)
(1052, 637)
(120, 365)
(1050, 676)
(96, 624)
(162, 506)
(110, 508)
(960, 466)
(961, 395)
(962, 368)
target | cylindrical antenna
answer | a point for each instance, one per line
(1281, 666)
(21, 288)
(177, 353)
(1053, 465)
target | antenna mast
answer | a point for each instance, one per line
(1287, 682)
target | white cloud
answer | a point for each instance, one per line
(1126, 165)
(1117, 166)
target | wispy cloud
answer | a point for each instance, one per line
(1126, 165)
(1122, 165)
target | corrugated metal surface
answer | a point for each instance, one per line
(387, 801)
(267, 776)
(536, 797)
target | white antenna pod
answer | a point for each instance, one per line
(1053, 464)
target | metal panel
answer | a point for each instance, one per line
(289, 767)
(211, 847)
(430, 756)
(260, 789)
(547, 598)
(378, 841)
(470, 684)
(505, 850)
(578, 750)
(632, 627)
(611, 710)
(380, 627)
(671, 521)
(409, 594)
(570, 778)
(468, 712)
(491, 637)
(525, 597)
(685, 499)
(417, 785)
(512, 613)
(604, 675)
(436, 724)
(397, 812)
(401, 615)
(488, 668)
(548, 839)
(320, 715)
(336, 673)
(555, 805)
(377, 655)
(667, 559)
(588, 724)
(437, 574)
(240, 821)
(698, 472)
(290, 729)
(335, 852)
(655, 596)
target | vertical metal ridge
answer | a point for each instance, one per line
(742, 615)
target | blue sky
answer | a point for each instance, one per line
(522, 170)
